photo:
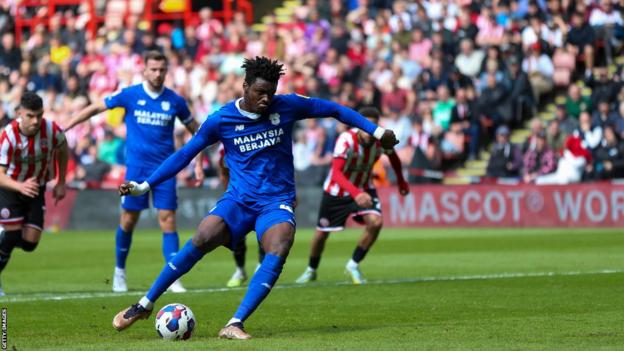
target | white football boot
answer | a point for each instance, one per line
(119, 280)
(307, 277)
(353, 271)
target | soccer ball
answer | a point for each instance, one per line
(175, 322)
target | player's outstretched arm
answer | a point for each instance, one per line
(86, 113)
(207, 135)
(395, 161)
(62, 154)
(325, 108)
(362, 198)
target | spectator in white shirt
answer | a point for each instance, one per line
(469, 60)
(604, 19)
(539, 68)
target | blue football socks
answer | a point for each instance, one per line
(181, 263)
(260, 285)
(170, 245)
(123, 240)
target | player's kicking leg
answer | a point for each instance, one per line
(211, 233)
(123, 241)
(316, 250)
(276, 241)
(239, 276)
(261, 255)
(373, 222)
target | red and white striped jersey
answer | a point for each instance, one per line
(359, 163)
(26, 157)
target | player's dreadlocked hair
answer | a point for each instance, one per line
(262, 67)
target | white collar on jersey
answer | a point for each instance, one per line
(150, 93)
(245, 113)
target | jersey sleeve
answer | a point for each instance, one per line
(207, 134)
(184, 114)
(308, 107)
(117, 99)
(344, 144)
(5, 150)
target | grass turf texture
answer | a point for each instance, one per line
(559, 312)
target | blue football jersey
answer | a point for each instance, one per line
(149, 121)
(258, 148)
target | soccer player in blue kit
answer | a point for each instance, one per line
(150, 113)
(256, 132)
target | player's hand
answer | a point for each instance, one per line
(388, 139)
(199, 175)
(404, 188)
(58, 193)
(364, 200)
(30, 187)
(133, 188)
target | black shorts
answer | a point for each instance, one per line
(335, 210)
(16, 208)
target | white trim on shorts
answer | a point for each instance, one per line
(364, 212)
(33, 226)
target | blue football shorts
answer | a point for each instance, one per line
(164, 195)
(241, 219)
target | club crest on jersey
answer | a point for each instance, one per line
(141, 102)
(274, 118)
(5, 213)
(165, 105)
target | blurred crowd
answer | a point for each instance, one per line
(452, 78)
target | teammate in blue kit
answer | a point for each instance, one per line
(256, 132)
(150, 113)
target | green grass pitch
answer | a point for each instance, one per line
(452, 289)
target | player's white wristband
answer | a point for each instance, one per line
(379, 132)
(139, 189)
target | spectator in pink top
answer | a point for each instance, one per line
(420, 48)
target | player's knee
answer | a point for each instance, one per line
(375, 223)
(128, 221)
(29, 246)
(166, 216)
(166, 219)
(200, 239)
(281, 247)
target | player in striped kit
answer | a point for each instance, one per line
(348, 190)
(31, 148)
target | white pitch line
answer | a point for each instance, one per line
(511, 275)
